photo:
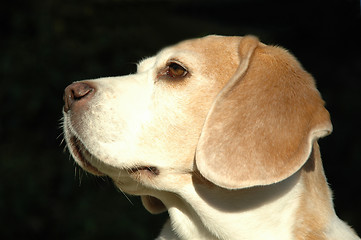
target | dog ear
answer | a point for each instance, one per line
(262, 124)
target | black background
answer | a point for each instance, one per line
(46, 45)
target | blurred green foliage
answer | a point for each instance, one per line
(46, 45)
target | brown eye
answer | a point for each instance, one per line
(176, 71)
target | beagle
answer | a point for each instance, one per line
(221, 132)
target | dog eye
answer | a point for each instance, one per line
(176, 71)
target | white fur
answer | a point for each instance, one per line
(260, 213)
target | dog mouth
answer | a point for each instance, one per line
(83, 156)
(144, 169)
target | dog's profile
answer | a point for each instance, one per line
(221, 132)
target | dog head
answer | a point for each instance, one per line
(231, 110)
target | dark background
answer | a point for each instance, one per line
(46, 45)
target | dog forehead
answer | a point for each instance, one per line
(216, 55)
(212, 42)
(212, 48)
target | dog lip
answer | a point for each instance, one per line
(150, 169)
(82, 154)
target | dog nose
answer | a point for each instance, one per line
(77, 92)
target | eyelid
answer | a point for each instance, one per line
(162, 73)
(170, 61)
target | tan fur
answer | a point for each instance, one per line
(316, 207)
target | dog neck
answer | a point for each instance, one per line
(202, 211)
(279, 211)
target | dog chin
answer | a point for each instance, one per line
(82, 156)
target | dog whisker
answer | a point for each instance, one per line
(80, 175)
(125, 195)
(62, 141)
(61, 134)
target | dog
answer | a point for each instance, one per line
(221, 132)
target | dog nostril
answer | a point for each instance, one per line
(75, 92)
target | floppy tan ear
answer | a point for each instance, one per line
(262, 124)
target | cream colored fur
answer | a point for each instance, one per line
(229, 149)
